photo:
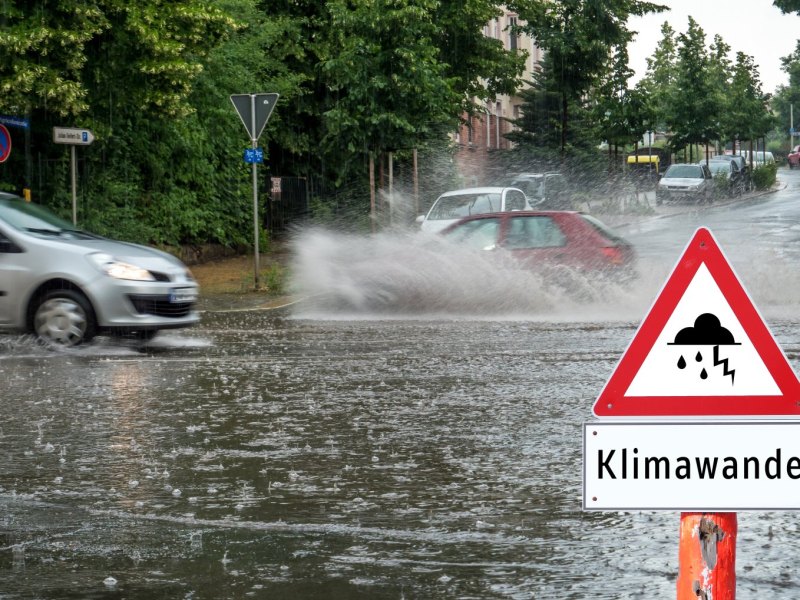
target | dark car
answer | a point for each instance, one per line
(548, 190)
(740, 163)
(537, 238)
(734, 179)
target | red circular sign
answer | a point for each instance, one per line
(5, 143)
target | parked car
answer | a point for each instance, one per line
(741, 164)
(644, 169)
(734, 179)
(545, 191)
(66, 285)
(760, 158)
(456, 204)
(685, 182)
(539, 238)
(793, 157)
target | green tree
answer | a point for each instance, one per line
(538, 127)
(52, 53)
(695, 104)
(788, 6)
(659, 80)
(623, 113)
(747, 107)
(478, 65)
(578, 36)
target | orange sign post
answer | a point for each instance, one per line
(707, 556)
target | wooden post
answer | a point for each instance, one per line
(707, 556)
(372, 192)
(416, 185)
(391, 187)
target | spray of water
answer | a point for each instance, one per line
(403, 274)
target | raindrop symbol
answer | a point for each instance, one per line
(681, 363)
(703, 374)
(699, 357)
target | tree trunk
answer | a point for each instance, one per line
(563, 122)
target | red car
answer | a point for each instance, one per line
(535, 238)
(794, 157)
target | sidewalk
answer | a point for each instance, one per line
(648, 208)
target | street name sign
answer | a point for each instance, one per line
(702, 352)
(14, 121)
(72, 135)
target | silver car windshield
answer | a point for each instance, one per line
(33, 218)
(464, 205)
(684, 171)
(720, 167)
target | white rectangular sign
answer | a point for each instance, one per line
(73, 136)
(716, 466)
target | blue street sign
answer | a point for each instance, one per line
(254, 155)
(14, 121)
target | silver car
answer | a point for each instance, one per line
(685, 182)
(66, 285)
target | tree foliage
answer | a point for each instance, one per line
(53, 55)
(356, 78)
(578, 36)
(695, 103)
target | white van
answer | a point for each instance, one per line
(760, 158)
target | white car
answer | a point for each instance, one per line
(66, 285)
(457, 204)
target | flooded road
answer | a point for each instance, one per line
(301, 453)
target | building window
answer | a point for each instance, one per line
(513, 40)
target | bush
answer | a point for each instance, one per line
(722, 187)
(764, 176)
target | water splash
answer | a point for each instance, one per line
(405, 274)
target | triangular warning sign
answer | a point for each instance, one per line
(702, 350)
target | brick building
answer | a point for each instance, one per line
(484, 134)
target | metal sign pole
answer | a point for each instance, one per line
(73, 176)
(255, 192)
(260, 107)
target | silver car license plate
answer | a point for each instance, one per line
(183, 295)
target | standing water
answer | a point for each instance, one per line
(411, 430)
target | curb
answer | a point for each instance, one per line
(627, 220)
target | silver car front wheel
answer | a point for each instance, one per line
(64, 318)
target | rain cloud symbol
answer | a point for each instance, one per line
(707, 331)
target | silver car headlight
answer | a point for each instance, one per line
(119, 269)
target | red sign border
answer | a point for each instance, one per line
(702, 249)
(4, 155)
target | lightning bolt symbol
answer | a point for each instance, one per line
(724, 362)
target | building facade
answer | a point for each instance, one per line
(485, 133)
